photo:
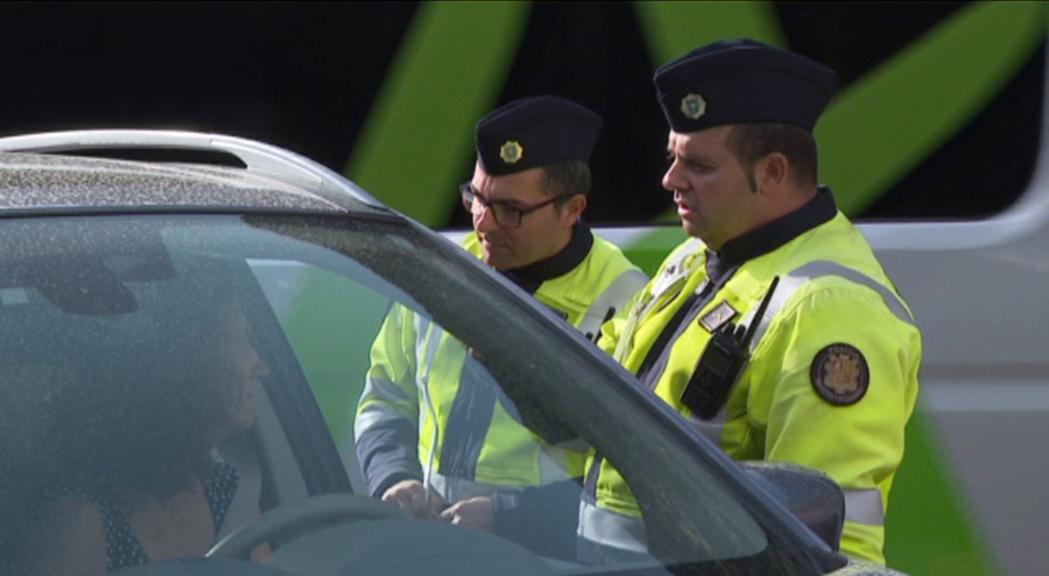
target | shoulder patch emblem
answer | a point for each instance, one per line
(840, 375)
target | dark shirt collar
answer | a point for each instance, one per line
(531, 276)
(818, 210)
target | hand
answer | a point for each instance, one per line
(472, 513)
(410, 496)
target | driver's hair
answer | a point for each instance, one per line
(148, 422)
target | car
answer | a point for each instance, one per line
(175, 303)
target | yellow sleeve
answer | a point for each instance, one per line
(836, 385)
(386, 427)
(392, 363)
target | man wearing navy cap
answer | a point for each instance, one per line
(773, 329)
(468, 459)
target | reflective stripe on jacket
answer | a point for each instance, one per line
(831, 291)
(431, 412)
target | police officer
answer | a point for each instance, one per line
(468, 459)
(773, 329)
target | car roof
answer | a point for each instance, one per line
(56, 173)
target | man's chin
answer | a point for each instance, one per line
(694, 231)
(690, 228)
(496, 261)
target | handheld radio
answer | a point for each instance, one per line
(721, 363)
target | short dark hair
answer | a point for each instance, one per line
(752, 142)
(566, 178)
(149, 425)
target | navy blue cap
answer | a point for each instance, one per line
(534, 132)
(742, 82)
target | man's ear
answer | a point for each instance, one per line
(773, 171)
(572, 209)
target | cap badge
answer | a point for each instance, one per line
(693, 106)
(511, 151)
(840, 374)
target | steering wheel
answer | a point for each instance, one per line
(287, 522)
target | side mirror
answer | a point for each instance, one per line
(809, 494)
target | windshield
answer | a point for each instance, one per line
(170, 381)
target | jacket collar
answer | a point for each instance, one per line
(530, 277)
(765, 239)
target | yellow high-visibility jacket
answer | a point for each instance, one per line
(831, 379)
(432, 413)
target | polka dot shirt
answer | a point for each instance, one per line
(123, 547)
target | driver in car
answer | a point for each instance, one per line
(435, 435)
(142, 483)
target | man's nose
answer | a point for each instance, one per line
(485, 219)
(672, 180)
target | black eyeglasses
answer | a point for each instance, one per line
(505, 214)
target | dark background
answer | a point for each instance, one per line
(303, 76)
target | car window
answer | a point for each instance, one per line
(219, 364)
